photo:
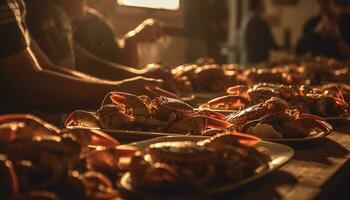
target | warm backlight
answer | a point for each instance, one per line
(157, 4)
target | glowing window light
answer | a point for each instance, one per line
(157, 4)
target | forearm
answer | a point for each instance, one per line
(98, 67)
(46, 63)
(42, 88)
(76, 74)
(53, 90)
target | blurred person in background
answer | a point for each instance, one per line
(328, 33)
(51, 25)
(27, 84)
(106, 7)
(206, 26)
(94, 33)
(256, 36)
(218, 26)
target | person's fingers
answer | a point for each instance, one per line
(157, 91)
(154, 33)
(152, 81)
(160, 30)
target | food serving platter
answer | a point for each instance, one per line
(314, 137)
(280, 155)
(208, 95)
(337, 118)
(130, 136)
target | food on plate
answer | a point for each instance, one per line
(287, 124)
(321, 101)
(125, 111)
(39, 161)
(205, 78)
(240, 118)
(180, 167)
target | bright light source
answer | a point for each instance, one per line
(157, 4)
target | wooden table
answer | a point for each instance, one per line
(320, 170)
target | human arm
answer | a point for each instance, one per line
(95, 34)
(46, 63)
(96, 66)
(24, 80)
(148, 31)
(107, 70)
(28, 83)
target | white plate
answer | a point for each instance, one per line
(338, 118)
(314, 137)
(138, 135)
(280, 155)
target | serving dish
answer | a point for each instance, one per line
(312, 138)
(280, 155)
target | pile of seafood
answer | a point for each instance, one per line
(124, 111)
(188, 167)
(324, 101)
(39, 161)
(275, 118)
(206, 76)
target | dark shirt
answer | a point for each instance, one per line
(51, 28)
(257, 40)
(13, 32)
(95, 34)
(318, 45)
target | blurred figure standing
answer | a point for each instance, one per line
(256, 36)
(327, 34)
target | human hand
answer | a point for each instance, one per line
(144, 86)
(333, 31)
(149, 30)
(328, 28)
(138, 85)
(170, 82)
(321, 26)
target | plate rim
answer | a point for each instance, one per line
(304, 139)
(344, 117)
(206, 106)
(213, 191)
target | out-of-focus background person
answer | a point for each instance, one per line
(256, 36)
(328, 33)
(94, 33)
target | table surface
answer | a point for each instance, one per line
(319, 170)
